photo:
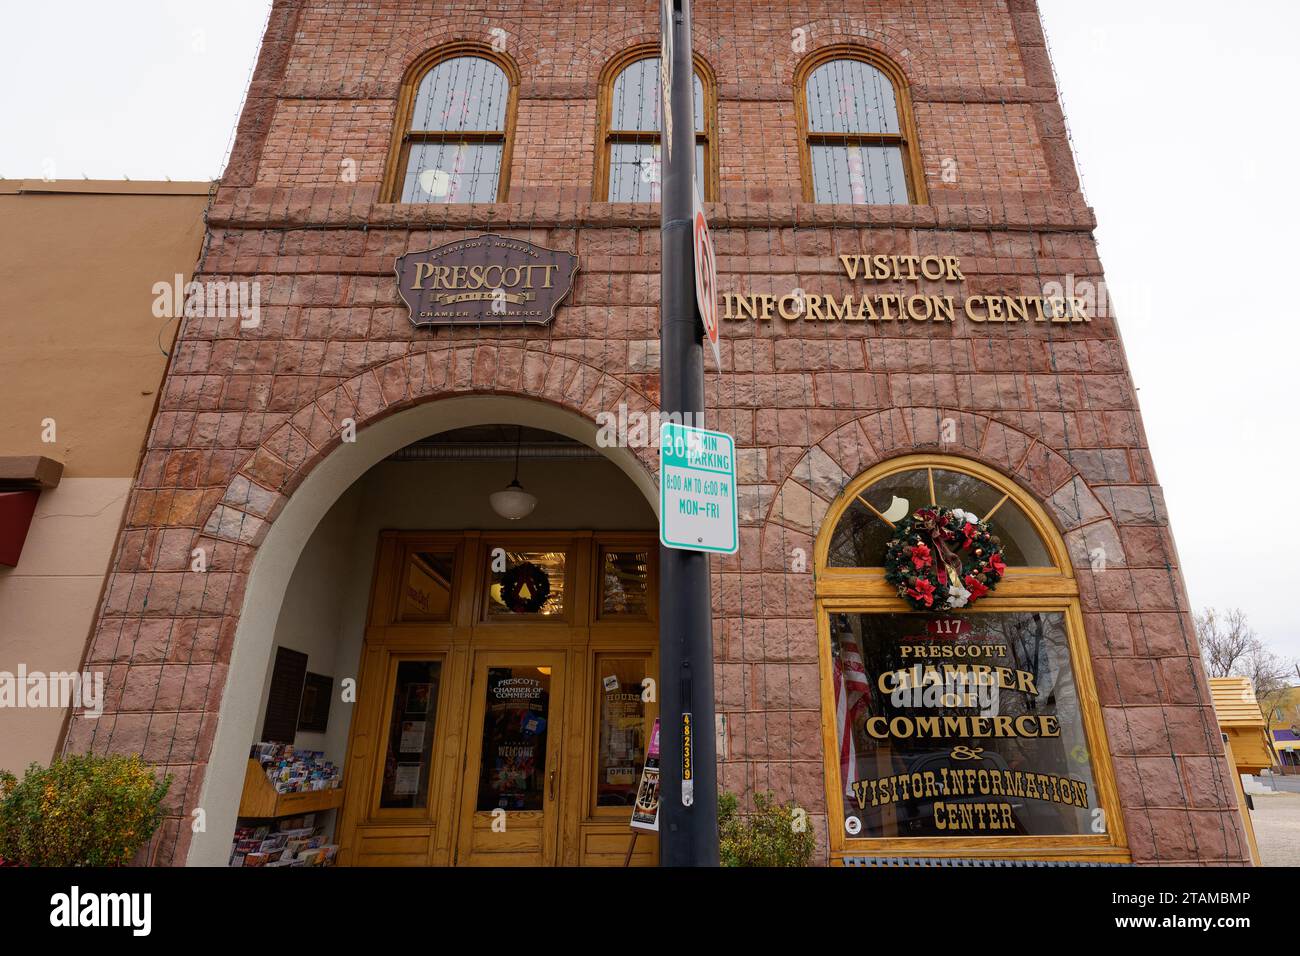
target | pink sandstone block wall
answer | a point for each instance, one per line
(246, 413)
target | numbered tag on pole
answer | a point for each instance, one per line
(688, 767)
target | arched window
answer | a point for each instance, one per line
(859, 137)
(974, 732)
(627, 160)
(455, 128)
(862, 532)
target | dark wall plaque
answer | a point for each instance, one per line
(314, 715)
(485, 280)
(285, 698)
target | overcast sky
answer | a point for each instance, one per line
(1184, 119)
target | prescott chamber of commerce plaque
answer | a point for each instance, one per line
(485, 280)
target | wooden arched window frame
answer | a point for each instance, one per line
(410, 134)
(610, 137)
(835, 141)
(1043, 593)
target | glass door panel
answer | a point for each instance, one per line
(412, 714)
(624, 584)
(511, 774)
(622, 723)
(512, 768)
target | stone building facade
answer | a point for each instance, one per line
(305, 209)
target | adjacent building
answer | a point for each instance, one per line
(85, 348)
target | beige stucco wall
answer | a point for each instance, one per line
(78, 261)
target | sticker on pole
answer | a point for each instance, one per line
(706, 281)
(697, 489)
(666, 74)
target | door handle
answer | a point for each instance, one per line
(552, 784)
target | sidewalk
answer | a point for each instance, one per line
(1276, 818)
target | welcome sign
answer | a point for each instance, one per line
(485, 280)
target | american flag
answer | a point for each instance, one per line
(852, 696)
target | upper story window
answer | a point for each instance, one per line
(455, 127)
(859, 139)
(628, 163)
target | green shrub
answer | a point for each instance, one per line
(82, 810)
(769, 836)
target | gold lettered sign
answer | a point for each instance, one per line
(961, 736)
(1068, 301)
(485, 280)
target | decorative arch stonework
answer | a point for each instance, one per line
(270, 474)
(802, 499)
(586, 59)
(164, 635)
(457, 28)
(831, 32)
(595, 54)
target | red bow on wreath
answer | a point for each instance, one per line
(945, 558)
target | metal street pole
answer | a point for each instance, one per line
(688, 831)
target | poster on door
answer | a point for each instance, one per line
(514, 739)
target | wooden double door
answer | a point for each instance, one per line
(506, 694)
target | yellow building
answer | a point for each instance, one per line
(1285, 714)
(1284, 729)
(1242, 723)
(83, 360)
(1245, 736)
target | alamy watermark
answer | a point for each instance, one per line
(626, 428)
(133, 911)
(209, 300)
(61, 689)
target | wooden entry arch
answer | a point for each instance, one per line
(1041, 582)
(459, 778)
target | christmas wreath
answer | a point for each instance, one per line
(525, 588)
(941, 559)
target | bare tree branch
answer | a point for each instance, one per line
(1231, 648)
(1225, 640)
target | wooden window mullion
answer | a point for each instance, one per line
(608, 137)
(404, 137)
(904, 140)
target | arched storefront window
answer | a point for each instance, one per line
(974, 732)
(859, 138)
(628, 143)
(454, 130)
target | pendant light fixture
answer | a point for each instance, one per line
(513, 503)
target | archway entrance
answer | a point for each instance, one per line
(505, 682)
(485, 675)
